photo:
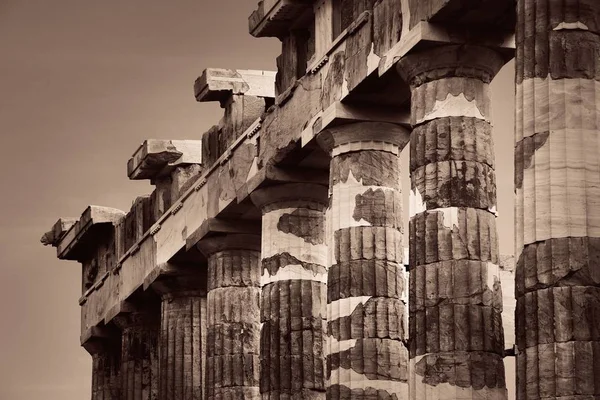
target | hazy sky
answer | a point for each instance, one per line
(82, 84)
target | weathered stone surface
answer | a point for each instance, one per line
(366, 351)
(105, 377)
(455, 184)
(486, 13)
(456, 330)
(182, 338)
(157, 158)
(568, 370)
(293, 298)
(233, 317)
(453, 234)
(217, 84)
(106, 365)
(452, 138)
(557, 167)
(77, 243)
(139, 355)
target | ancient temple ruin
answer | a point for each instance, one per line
(271, 260)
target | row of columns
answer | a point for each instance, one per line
(316, 307)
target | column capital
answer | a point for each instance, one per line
(357, 136)
(307, 195)
(450, 61)
(213, 244)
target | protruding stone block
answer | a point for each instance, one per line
(273, 18)
(80, 238)
(488, 13)
(157, 158)
(53, 236)
(217, 84)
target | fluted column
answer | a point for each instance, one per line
(233, 316)
(557, 185)
(366, 315)
(294, 284)
(106, 363)
(139, 355)
(182, 340)
(456, 335)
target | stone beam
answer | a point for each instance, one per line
(426, 34)
(489, 13)
(74, 243)
(157, 158)
(273, 18)
(218, 84)
(221, 226)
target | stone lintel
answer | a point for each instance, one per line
(364, 132)
(290, 193)
(426, 35)
(81, 238)
(490, 13)
(273, 18)
(219, 84)
(219, 226)
(53, 236)
(157, 158)
(272, 175)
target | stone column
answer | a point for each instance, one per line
(294, 284)
(366, 315)
(139, 355)
(557, 185)
(233, 316)
(106, 363)
(456, 334)
(182, 339)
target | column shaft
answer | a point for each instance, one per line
(233, 319)
(106, 364)
(293, 300)
(366, 316)
(456, 336)
(139, 356)
(182, 345)
(557, 185)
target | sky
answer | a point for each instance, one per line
(82, 84)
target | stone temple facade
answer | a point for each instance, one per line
(271, 259)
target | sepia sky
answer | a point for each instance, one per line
(82, 84)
